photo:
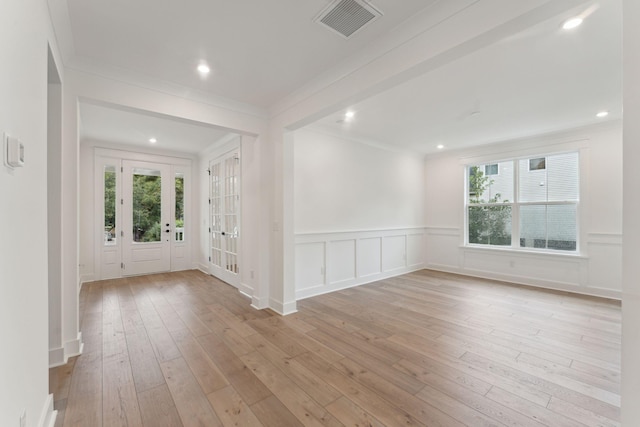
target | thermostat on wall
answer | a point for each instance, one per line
(14, 152)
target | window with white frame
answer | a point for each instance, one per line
(524, 203)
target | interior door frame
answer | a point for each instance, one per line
(103, 156)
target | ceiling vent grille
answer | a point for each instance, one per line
(347, 17)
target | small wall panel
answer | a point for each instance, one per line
(415, 243)
(310, 265)
(342, 261)
(393, 252)
(369, 256)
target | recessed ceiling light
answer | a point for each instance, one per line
(602, 114)
(153, 140)
(572, 23)
(349, 114)
(204, 69)
(440, 147)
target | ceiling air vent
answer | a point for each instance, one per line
(347, 17)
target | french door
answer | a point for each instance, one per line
(146, 211)
(224, 218)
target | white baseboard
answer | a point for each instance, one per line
(259, 303)
(56, 357)
(537, 283)
(60, 356)
(48, 415)
(84, 278)
(362, 280)
(73, 348)
(281, 308)
(202, 267)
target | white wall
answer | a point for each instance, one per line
(24, 34)
(358, 210)
(596, 270)
(631, 267)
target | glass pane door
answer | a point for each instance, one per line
(147, 209)
(224, 199)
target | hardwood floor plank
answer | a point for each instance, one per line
(237, 373)
(231, 408)
(120, 402)
(350, 414)
(307, 410)
(206, 372)
(272, 413)
(192, 404)
(423, 411)
(158, 408)
(315, 386)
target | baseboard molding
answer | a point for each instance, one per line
(537, 283)
(351, 283)
(259, 303)
(202, 267)
(245, 289)
(56, 357)
(48, 415)
(84, 278)
(73, 348)
(281, 308)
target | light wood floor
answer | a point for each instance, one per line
(184, 349)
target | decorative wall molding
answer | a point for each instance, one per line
(330, 261)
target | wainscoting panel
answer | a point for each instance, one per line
(325, 262)
(605, 261)
(394, 256)
(369, 256)
(342, 261)
(310, 265)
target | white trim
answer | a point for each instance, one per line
(281, 308)
(259, 303)
(56, 357)
(48, 415)
(73, 348)
(531, 282)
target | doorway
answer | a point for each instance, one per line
(142, 206)
(224, 217)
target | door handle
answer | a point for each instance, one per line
(223, 233)
(167, 231)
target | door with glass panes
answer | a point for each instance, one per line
(224, 218)
(146, 208)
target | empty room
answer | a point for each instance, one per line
(320, 213)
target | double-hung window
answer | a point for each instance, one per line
(524, 203)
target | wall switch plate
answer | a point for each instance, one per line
(13, 152)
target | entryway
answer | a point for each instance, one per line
(142, 204)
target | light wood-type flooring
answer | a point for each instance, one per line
(427, 348)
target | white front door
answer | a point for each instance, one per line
(146, 211)
(224, 199)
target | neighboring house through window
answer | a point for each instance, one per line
(524, 203)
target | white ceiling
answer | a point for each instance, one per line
(544, 79)
(100, 123)
(260, 51)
